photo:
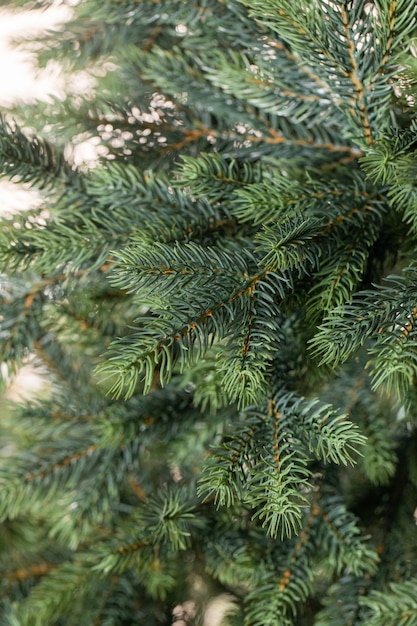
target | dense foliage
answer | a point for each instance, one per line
(226, 307)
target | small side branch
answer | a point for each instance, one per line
(354, 76)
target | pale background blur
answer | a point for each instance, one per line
(19, 83)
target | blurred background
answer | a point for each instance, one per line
(22, 83)
(19, 81)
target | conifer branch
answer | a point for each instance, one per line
(354, 76)
(223, 265)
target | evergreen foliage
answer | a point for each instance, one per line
(226, 306)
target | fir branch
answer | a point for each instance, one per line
(387, 320)
(245, 366)
(354, 76)
(287, 245)
(345, 594)
(184, 267)
(213, 176)
(396, 605)
(339, 530)
(33, 161)
(248, 467)
(327, 433)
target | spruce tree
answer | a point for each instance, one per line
(226, 307)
